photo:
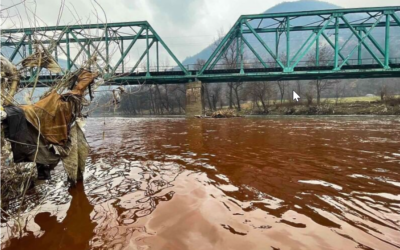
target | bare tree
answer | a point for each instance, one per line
(230, 59)
(260, 93)
(339, 90)
(216, 96)
(325, 58)
(310, 94)
(282, 86)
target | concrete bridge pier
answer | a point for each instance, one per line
(194, 105)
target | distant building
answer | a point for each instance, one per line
(369, 95)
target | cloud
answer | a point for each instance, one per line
(182, 13)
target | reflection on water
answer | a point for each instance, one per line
(255, 183)
(74, 231)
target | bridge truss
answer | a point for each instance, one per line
(121, 49)
(328, 44)
(362, 43)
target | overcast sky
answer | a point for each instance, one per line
(187, 26)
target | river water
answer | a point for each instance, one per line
(241, 183)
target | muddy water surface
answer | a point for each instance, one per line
(246, 183)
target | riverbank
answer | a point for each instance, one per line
(357, 108)
(391, 107)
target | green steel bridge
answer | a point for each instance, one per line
(327, 44)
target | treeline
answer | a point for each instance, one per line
(257, 96)
(144, 100)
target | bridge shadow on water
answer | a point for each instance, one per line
(74, 232)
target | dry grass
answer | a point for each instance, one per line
(248, 104)
(353, 99)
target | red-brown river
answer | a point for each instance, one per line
(241, 183)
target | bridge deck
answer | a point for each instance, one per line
(253, 74)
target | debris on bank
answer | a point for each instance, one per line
(36, 137)
(225, 113)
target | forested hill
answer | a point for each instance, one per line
(305, 5)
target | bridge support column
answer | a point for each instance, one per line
(194, 105)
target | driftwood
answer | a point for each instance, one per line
(65, 109)
(9, 73)
(225, 113)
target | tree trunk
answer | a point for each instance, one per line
(237, 98)
(230, 95)
(264, 106)
(318, 92)
(214, 100)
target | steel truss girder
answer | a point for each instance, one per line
(336, 20)
(64, 36)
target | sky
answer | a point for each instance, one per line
(187, 26)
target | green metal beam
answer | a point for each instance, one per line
(301, 48)
(168, 50)
(222, 52)
(241, 49)
(333, 46)
(16, 49)
(122, 52)
(254, 52)
(237, 49)
(336, 56)
(359, 54)
(374, 42)
(107, 49)
(287, 42)
(317, 51)
(396, 18)
(74, 27)
(345, 43)
(253, 77)
(68, 52)
(387, 41)
(319, 12)
(125, 53)
(157, 59)
(314, 27)
(86, 50)
(108, 66)
(277, 42)
(147, 53)
(142, 56)
(219, 47)
(84, 40)
(313, 41)
(78, 54)
(265, 45)
(362, 41)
